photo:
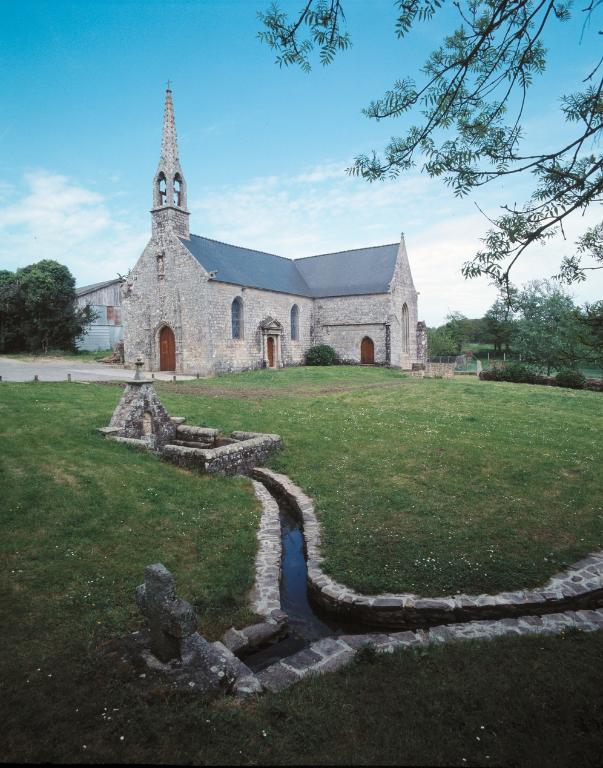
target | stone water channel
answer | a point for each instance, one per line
(310, 625)
(307, 623)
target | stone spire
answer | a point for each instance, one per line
(169, 186)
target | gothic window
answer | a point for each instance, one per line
(295, 322)
(236, 312)
(162, 187)
(177, 190)
(405, 330)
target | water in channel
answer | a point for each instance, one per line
(306, 624)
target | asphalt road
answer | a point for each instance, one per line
(56, 369)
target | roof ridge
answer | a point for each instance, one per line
(243, 247)
(345, 250)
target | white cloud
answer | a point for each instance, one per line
(56, 218)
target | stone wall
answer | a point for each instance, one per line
(343, 321)
(434, 370)
(403, 347)
(169, 287)
(230, 354)
(239, 457)
(178, 297)
(439, 370)
(198, 310)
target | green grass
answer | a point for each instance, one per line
(82, 516)
(84, 355)
(430, 486)
(401, 470)
(512, 702)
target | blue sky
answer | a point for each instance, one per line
(263, 149)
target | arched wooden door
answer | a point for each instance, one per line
(167, 349)
(367, 351)
(270, 350)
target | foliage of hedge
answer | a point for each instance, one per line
(515, 372)
(571, 379)
(519, 373)
(321, 354)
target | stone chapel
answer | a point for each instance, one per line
(196, 305)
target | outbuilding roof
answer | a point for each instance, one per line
(96, 286)
(345, 273)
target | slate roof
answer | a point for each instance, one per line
(350, 273)
(346, 273)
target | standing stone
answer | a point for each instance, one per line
(171, 619)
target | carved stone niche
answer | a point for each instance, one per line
(271, 331)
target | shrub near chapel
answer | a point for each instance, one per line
(321, 354)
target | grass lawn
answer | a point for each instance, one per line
(424, 485)
(512, 702)
(430, 486)
(82, 516)
(83, 355)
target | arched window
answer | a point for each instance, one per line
(162, 189)
(177, 190)
(236, 313)
(295, 323)
(405, 331)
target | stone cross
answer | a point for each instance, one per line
(171, 619)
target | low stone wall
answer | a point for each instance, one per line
(439, 370)
(580, 586)
(237, 458)
(332, 653)
(198, 434)
(433, 371)
(266, 596)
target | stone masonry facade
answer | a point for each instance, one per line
(172, 299)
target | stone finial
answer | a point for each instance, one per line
(138, 375)
(170, 618)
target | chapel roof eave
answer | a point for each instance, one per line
(357, 272)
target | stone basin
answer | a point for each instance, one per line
(206, 450)
(140, 420)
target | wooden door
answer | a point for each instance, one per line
(270, 349)
(367, 351)
(167, 350)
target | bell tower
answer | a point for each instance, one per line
(169, 212)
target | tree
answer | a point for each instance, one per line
(38, 309)
(548, 331)
(9, 313)
(459, 328)
(440, 342)
(470, 102)
(590, 334)
(499, 325)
